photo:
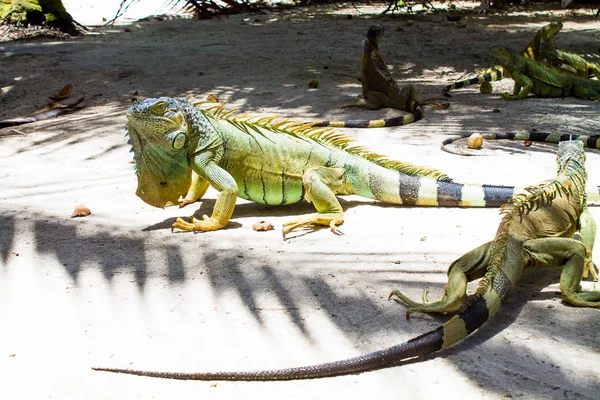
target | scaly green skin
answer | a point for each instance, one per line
(535, 231)
(380, 90)
(530, 76)
(543, 39)
(181, 150)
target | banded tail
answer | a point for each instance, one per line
(494, 74)
(589, 141)
(376, 123)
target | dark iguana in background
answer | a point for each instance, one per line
(530, 76)
(541, 49)
(181, 150)
(535, 231)
(380, 90)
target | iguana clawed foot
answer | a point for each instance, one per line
(443, 305)
(332, 220)
(509, 96)
(206, 224)
(414, 306)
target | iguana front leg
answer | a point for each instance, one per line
(221, 180)
(197, 189)
(571, 255)
(523, 86)
(467, 268)
(321, 184)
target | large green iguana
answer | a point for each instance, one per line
(541, 49)
(535, 231)
(181, 150)
(530, 76)
(589, 141)
(379, 89)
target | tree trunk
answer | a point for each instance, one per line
(37, 12)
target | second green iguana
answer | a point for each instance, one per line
(542, 50)
(530, 76)
(536, 231)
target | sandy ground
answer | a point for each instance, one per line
(117, 288)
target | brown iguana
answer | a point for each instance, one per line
(530, 76)
(181, 150)
(589, 141)
(535, 231)
(379, 89)
(541, 49)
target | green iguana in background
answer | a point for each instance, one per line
(535, 231)
(544, 37)
(530, 76)
(541, 49)
(380, 90)
(589, 141)
(181, 150)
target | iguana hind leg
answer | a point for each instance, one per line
(467, 268)
(582, 92)
(321, 184)
(572, 256)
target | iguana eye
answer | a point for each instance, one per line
(159, 108)
(177, 140)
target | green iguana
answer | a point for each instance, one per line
(565, 62)
(589, 141)
(379, 89)
(535, 231)
(181, 150)
(544, 37)
(541, 49)
(530, 76)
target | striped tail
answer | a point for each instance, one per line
(449, 333)
(409, 190)
(377, 123)
(494, 74)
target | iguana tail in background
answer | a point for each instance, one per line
(416, 115)
(589, 141)
(494, 74)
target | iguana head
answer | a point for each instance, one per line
(502, 55)
(375, 33)
(159, 135)
(548, 33)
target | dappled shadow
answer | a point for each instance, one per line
(356, 314)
